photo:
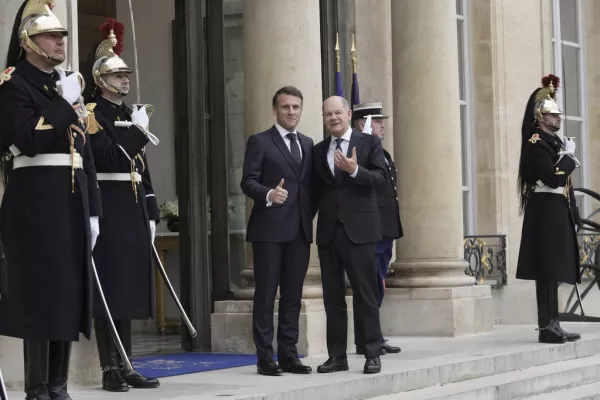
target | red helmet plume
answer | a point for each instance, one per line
(119, 31)
(555, 80)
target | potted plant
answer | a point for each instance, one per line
(169, 211)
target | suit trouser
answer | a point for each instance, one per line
(46, 369)
(283, 265)
(107, 349)
(358, 262)
(547, 302)
(383, 256)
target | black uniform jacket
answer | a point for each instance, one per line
(45, 213)
(549, 250)
(123, 252)
(387, 201)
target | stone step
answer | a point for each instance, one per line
(584, 392)
(423, 363)
(518, 384)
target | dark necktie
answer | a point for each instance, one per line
(337, 173)
(294, 148)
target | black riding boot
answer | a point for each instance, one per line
(58, 375)
(134, 378)
(547, 306)
(109, 358)
(571, 337)
(36, 359)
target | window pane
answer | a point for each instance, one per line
(571, 83)
(573, 128)
(465, 201)
(459, 8)
(461, 58)
(568, 20)
(464, 136)
(233, 47)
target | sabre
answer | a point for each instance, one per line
(135, 56)
(3, 392)
(163, 273)
(126, 124)
(113, 329)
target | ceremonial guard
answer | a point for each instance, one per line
(51, 204)
(123, 253)
(549, 251)
(369, 119)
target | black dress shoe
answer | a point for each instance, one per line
(372, 366)
(268, 367)
(571, 337)
(334, 364)
(294, 366)
(550, 334)
(112, 381)
(362, 351)
(139, 381)
(388, 348)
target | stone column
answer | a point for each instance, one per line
(275, 56)
(374, 53)
(430, 293)
(282, 46)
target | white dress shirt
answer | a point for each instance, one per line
(283, 132)
(345, 144)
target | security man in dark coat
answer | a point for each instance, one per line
(123, 254)
(368, 118)
(49, 213)
(549, 251)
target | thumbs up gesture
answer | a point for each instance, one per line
(344, 163)
(279, 194)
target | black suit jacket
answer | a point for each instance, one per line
(266, 162)
(351, 201)
(387, 201)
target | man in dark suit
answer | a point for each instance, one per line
(277, 176)
(348, 166)
(387, 201)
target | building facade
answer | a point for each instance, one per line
(454, 76)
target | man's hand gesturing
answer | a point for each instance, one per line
(344, 163)
(279, 194)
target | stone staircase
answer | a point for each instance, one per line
(503, 365)
(546, 372)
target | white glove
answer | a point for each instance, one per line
(152, 230)
(570, 146)
(94, 230)
(140, 117)
(68, 86)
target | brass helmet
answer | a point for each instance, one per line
(106, 57)
(38, 18)
(544, 99)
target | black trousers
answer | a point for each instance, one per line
(283, 265)
(358, 260)
(46, 369)
(107, 349)
(547, 302)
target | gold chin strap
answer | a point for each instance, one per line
(25, 37)
(99, 80)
